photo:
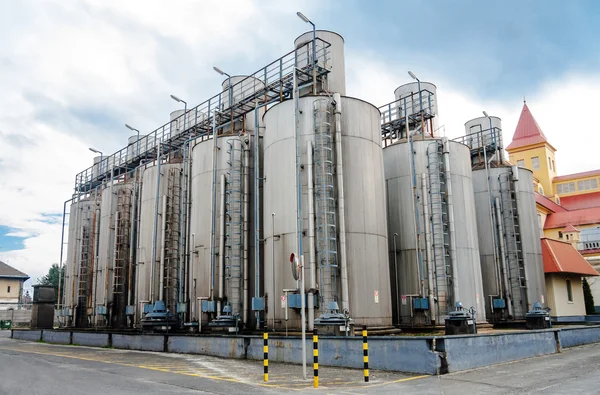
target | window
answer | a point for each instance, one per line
(553, 166)
(540, 225)
(585, 185)
(565, 187)
(8, 290)
(567, 237)
(550, 163)
(569, 291)
(557, 200)
(560, 235)
(540, 190)
(535, 163)
(521, 163)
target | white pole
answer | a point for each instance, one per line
(303, 317)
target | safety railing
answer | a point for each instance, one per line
(273, 82)
(490, 138)
(410, 105)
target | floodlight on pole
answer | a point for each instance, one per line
(184, 108)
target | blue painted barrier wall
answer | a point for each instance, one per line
(426, 355)
(91, 339)
(473, 351)
(56, 337)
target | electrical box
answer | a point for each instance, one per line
(208, 306)
(499, 303)
(258, 304)
(421, 303)
(148, 308)
(294, 301)
(129, 310)
(181, 307)
(101, 310)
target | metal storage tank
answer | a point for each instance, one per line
(333, 55)
(133, 147)
(484, 132)
(243, 87)
(83, 220)
(151, 229)
(511, 259)
(97, 167)
(111, 274)
(429, 277)
(369, 300)
(407, 96)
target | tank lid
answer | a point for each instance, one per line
(296, 43)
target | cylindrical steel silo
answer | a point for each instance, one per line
(410, 99)
(330, 57)
(509, 242)
(111, 274)
(484, 132)
(81, 252)
(434, 253)
(158, 243)
(363, 199)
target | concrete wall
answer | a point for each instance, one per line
(425, 355)
(17, 316)
(472, 351)
(556, 285)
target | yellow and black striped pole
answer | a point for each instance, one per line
(365, 353)
(266, 356)
(315, 359)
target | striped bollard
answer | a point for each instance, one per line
(315, 359)
(266, 355)
(365, 353)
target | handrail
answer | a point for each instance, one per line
(399, 108)
(265, 85)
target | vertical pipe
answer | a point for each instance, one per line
(396, 280)
(132, 236)
(256, 212)
(246, 228)
(428, 241)
(451, 230)
(214, 203)
(311, 237)
(298, 164)
(191, 289)
(97, 259)
(221, 245)
(273, 271)
(161, 273)
(507, 290)
(490, 211)
(60, 265)
(341, 201)
(155, 235)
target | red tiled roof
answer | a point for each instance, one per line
(573, 176)
(570, 229)
(548, 203)
(561, 257)
(578, 202)
(585, 216)
(528, 131)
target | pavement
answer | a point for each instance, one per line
(40, 368)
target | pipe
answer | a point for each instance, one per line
(507, 289)
(132, 237)
(60, 265)
(137, 301)
(273, 271)
(451, 230)
(398, 312)
(428, 241)
(246, 227)
(214, 203)
(185, 223)
(221, 245)
(341, 201)
(163, 231)
(192, 290)
(256, 212)
(155, 236)
(490, 209)
(416, 216)
(311, 237)
(97, 257)
(515, 179)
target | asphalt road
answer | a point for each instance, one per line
(45, 369)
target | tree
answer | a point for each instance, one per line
(52, 277)
(588, 298)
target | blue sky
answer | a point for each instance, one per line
(73, 73)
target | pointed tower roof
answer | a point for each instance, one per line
(528, 131)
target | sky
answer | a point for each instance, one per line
(73, 72)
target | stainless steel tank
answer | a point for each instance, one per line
(408, 98)
(365, 220)
(484, 131)
(113, 254)
(330, 57)
(509, 242)
(150, 235)
(83, 219)
(430, 277)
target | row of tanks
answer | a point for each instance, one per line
(393, 224)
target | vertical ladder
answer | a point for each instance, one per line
(172, 217)
(122, 237)
(514, 249)
(439, 228)
(234, 225)
(325, 204)
(87, 258)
